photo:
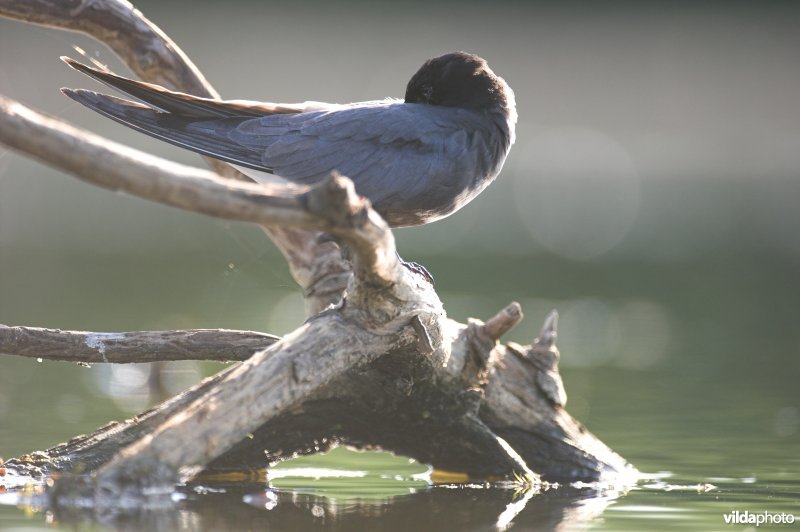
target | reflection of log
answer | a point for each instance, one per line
(382, 367)
(250, 507)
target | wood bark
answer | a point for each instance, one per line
(129, 347)
(377, 365)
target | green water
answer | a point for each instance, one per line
(709, 414)
(652, 198)
(706, 454)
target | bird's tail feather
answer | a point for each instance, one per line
(179, 102)
(184, 131)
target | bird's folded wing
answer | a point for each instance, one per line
(389, 149)
(169, 127)
(374, 143)
(182, 103)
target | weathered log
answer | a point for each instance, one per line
(382, 367)
(132, 347)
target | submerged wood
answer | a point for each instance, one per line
(376, 366)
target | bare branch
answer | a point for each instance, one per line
(141, 45)
(352, 219)
(147, 50)
(332, 206)
(130, 347)
(549, 333)
(155, 58)
(110, 165)
(502, 322)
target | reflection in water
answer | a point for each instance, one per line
(339, 490)
(657, 501)
(251, 507)
(669, 427)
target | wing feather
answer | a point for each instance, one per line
(397, 154)
(186, 104)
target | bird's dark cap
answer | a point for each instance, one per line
(459, 79)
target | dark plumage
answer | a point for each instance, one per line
(417, 160)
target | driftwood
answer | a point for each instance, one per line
(377, 364)
(132, 347)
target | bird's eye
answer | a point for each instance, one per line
(426, 91)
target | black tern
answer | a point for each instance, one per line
(417, 160)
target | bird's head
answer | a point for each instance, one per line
(459, 79)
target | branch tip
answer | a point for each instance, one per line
(549, 333)
(502, 322)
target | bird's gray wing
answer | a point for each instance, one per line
(173, 128)
(182, 103)
(409, 156)
(393, 151)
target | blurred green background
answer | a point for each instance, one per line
(652, 197)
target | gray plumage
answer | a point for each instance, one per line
(417, 160)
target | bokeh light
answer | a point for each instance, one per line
(576, 191)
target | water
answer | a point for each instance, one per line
(712, 420)
(700, 462)
(688, 368)
(651, 198)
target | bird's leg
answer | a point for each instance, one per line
(417, 268)
(413, 267)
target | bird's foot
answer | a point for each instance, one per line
(419, 269)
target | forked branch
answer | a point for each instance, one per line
(385, 368)
(154, 57)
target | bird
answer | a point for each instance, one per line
(417, 160)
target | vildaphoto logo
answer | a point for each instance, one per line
(761, 518)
